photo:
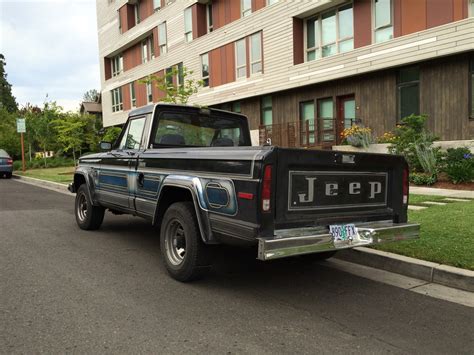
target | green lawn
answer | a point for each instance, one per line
(62, 175)
(447, 234)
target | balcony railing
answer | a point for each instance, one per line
(317, 133)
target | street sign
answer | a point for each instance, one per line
(20, 125)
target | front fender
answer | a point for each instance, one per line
(84, 175)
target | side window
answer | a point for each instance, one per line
(133, 136)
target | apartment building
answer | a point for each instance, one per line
(301, 70)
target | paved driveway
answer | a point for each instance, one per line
(67, 290)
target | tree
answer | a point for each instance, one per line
(90, 96)
(176, 93)
(7, 100)
(111, 134)
(71, 132)
(9, 138)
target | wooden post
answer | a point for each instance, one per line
(22, 152)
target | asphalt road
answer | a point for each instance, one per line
(64, 290)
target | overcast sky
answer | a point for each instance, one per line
(50, 47)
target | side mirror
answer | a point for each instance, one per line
(105, 146)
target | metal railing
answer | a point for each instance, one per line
(317, 133)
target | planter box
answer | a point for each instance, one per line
(383, 148)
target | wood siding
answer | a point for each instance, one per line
(140, 93)
(146, 9)
(443, 97)
(225, 12)
(222, 65)
(127, 105)
(258, 4)
(132, 57)
(107, 68)
(157, 94)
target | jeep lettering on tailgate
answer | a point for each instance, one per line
(310, 190)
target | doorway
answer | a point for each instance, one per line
(346, 114)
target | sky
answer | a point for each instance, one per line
(50, 47)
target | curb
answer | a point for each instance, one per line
(419, 269)
(56, 186)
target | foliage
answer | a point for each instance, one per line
(409, 135)
(423, 178)
(387, 137)
(111, 134)
(7, 100)
(90, 96)
(9, 138)
(459, 165)
(358, 136)
(71, 133)
(54, 162)
(426, 156)
(176, 93)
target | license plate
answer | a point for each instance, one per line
(343, 232)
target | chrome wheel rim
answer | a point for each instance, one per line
(175, 242)
(82, 207)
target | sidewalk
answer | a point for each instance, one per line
(416, 190)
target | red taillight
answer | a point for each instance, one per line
(9, 161)
(405, 186)
(267, 188)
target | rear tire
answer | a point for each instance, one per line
(8, 175)
(88, 217)
(184, 254)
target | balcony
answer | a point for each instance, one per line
(320, 133)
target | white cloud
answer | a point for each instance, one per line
(50, 48)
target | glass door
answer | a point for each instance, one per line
(346, 114)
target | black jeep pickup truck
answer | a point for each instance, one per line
(193, 172)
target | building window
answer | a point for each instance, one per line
(471, 8)
(117, 65)
(267, 111)
(408, 89)
(117, 103)
(236, 107)
(246, 7)
(149, 93)
(133, 97)
(162, 38)
(136, 10)
(205, 69)
(144, 51)
(241, 58)
(188, 25)
(256, 53)
(326, 119)
(330, 33)
(175, 75)
(471, 80)
(156, 4)
(383, 30)
(210, 26)
(307, 122)
(271, 2)
(119, 21)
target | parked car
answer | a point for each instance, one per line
(6, 164)
(194, 173)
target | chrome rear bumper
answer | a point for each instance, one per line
(291, 242)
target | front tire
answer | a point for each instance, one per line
(184, 254)
(88, 217)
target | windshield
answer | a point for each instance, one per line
(185, 129)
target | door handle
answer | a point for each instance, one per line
(141, 179)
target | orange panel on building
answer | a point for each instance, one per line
(362, 23)
(438, 12)
(140, 93)
(107, 68)
(298, 41)
(215, 67)
(413, 16)
(229, 62)
(459, 9)
(126, 97)
(157, 93)
(199, 20)
(258, 4)
(234, 13)
(146, 9)
(132, 57)
(156, 47)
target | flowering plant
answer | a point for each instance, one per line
(387, 137)
(357, 136)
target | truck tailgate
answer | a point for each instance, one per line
(317, 188)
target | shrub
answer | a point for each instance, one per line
(388, 137)
(459, 165)
(358, 136)
(56, 162)
(426, 156)
(422, 179)
(410, 134)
